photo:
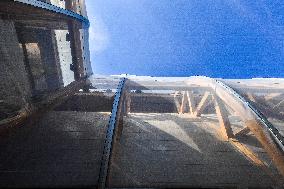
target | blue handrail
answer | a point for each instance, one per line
(53, 8)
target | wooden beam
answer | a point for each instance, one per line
(247, 152)
(268, 144)
(191, 102)
(224, 122)
(255, 159)
(250, 119)
(181, 110)
(202, 104)
(38, 108)
(242, 132)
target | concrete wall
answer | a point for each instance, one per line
(79, 7)
(42, 58)
(65, 56)
(87, 102)
(14, 85)
(86, 52)
(36, 60)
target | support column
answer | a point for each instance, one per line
(76, 50)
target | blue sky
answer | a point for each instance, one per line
(215, 38)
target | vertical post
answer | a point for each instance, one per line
(176, 101)
(120, 114)
(28, 68)
(75, 43)
(182, 103)
(128, 102)
(76, 50)
(191, 102)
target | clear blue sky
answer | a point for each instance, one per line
(216, 38)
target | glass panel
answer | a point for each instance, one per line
(176, 124)
(266, 95)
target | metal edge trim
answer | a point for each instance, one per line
(110, 136)
(56, 9)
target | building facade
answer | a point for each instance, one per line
(44, 48)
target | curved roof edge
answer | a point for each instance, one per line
(50, 7)
(271, 128)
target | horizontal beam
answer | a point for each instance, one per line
(42, 106)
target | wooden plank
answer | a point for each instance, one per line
(224, 122)
(202, 104)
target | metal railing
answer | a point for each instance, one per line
(53, 8)
(113, 132)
